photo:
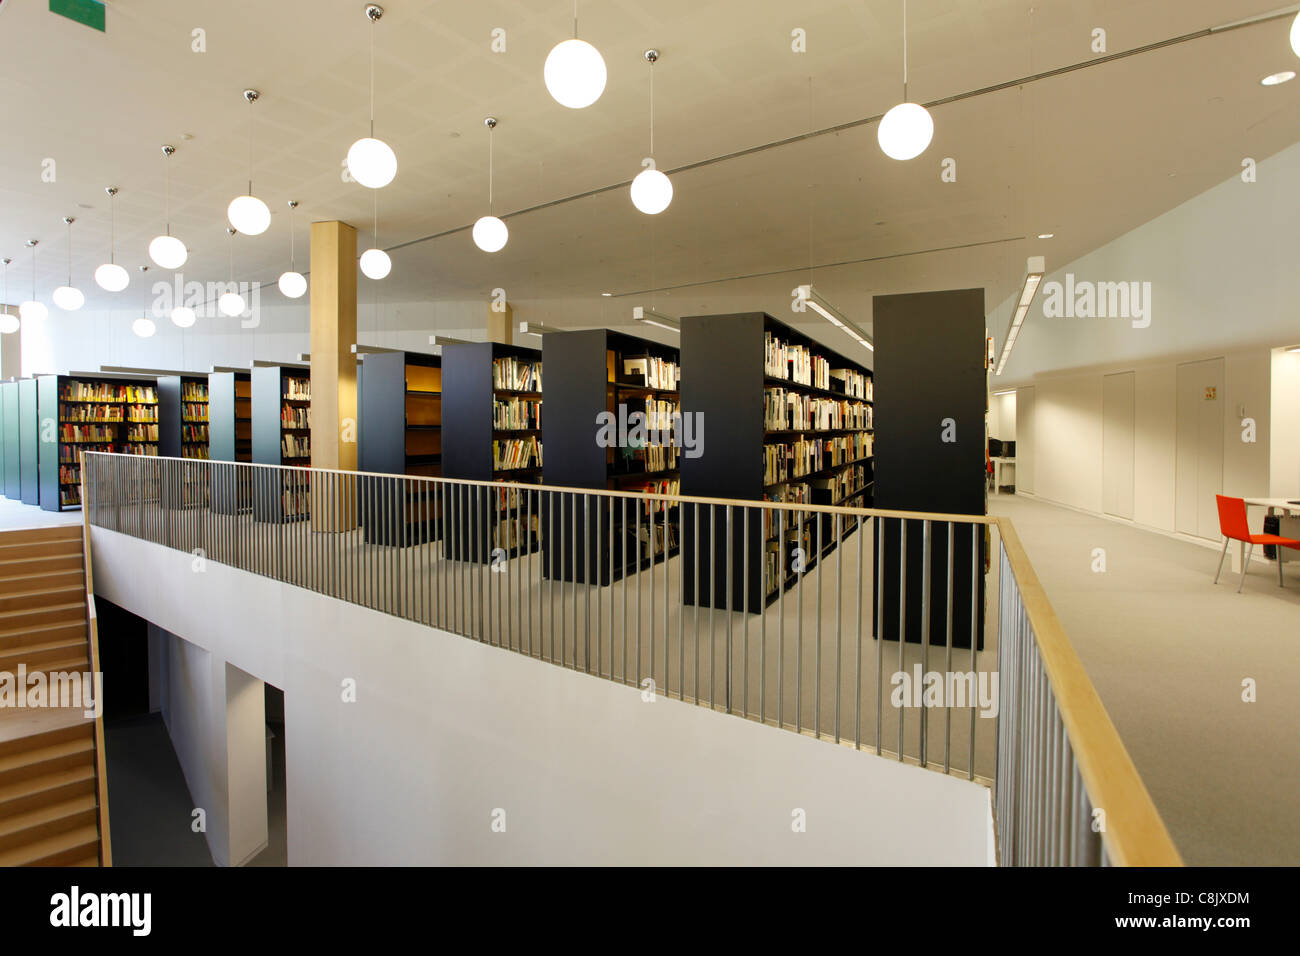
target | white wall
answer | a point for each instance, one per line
(445, 730)
(1002, 416)
(1284, 474)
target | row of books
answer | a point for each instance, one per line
(797, 363)
(514, 532)
(69, 474)
(295, 446)
(130, 448)
(661, 486)
(517, 413)
(788, 410)
(107, 413)
(87, 433)
(296, 499)
(516, 375)
(142, 433)
(652, 372)
(852, 383)
(511, 453)
(783, 461)
(194, 412)
(297, 389)
(295, 416)
(194, 434)
(195, 451)
(75, 391)
(70, 454)
(194, 392)
(70, 495)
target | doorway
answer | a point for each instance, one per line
(1199, 475)
(277, 802)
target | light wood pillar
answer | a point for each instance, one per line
(501, 323)
(333, 364)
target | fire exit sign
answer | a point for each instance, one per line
(89, 12)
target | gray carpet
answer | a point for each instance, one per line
(1168, 651)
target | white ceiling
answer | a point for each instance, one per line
(1088, 154)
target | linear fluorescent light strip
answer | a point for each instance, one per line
(536, 328)
(1035, 269)
(446, 340)
(658, 319)
(834, 316)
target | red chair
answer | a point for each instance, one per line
(1234, 526)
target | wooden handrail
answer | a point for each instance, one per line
(1135, 835)
(92, 625)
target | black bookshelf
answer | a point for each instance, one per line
(230, 438)
(726, 386)
(485, 519)
(931, 362)
(9, 478)
(592, 444)
(400, 412)
(183, 420)
(281, 435)
(79, 413)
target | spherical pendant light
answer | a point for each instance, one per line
(652, 191)
(144, 327)
(111, 277)
(575, 73)
(231, 304)
(68, 299)
(491, 234)
(183, 316)
(906, 131)
(375, 264)
(1295, 35)
(249, 215)
(33, 311)
(372, 162)
(293, 285)
(168, 252)
(8, 323)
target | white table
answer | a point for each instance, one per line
(1276, 506)
(999, 464)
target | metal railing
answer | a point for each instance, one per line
(784, 613)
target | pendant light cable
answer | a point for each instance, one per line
(491, 159)
(33, 245)
(293, 259)
(652, 107)
(905, 51)
(575, 19)
(372, 78)
(112, 225)
(167, 189)
(69, 221)
(251, 101)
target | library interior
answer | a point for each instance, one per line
(615, 435)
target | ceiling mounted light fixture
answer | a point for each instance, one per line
(1035, 269)
(652, 191)
(906, 130)
(166, 250)
(68, 297)
(1295, 34)
(1277, 79)
(375, 263)
(248, 214)
(490, 233)
(371, 161)
(536, 328)
(144, 327)
(231, 303)
(110, 276)
(657, 319)
(811, 299)
(33, 309)
(575, 71)
(8, 321)
(292, 283)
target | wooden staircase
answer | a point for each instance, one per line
(53, 800)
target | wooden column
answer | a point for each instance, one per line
(501, 324)
(333, 364)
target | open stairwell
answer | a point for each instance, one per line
(53, 799)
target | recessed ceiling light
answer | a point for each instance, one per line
(607, 294)
(1277, 79)
(1047, 235)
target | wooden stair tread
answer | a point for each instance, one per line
(36, 577)
(35, 630)
(35, 755)
(51, 813)
(10, 562)
(34, 785)
(71, 840)
(32, 610)
(57, 589)
(21, 728)
(19, 649)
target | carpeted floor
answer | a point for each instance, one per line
(1168, 652)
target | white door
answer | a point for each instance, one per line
(1199, 474)
(1117, 416)
(1025, 440)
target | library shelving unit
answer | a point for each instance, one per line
(183, 432)
(786, 420)
(400, 422)
(230, 437)
(281, 407)
(599, 380)
(29, 478)
(491, 392)
(93, 413)
(13, 450)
